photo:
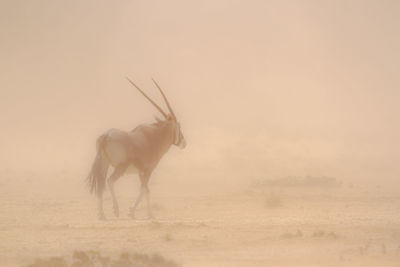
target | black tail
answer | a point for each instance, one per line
(97, 177)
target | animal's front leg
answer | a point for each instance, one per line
(138, 199)
(144, 178)
(149, 212)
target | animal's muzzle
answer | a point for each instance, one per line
(182, 144)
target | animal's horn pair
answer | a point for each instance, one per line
(151, 101)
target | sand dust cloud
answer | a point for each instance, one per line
(289, 109)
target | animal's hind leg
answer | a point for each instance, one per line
(118, 172)
(149, 212)
(100, 208)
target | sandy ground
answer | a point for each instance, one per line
(45, 215)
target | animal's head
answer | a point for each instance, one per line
(179, 139)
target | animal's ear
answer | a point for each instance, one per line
(157, 119)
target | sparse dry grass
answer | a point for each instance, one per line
(94, 258)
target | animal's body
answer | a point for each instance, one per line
(138, 151)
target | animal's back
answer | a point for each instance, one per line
(122, 147)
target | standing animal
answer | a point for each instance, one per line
(137, 151)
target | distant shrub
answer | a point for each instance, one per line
(167, 237)
(294, 181)
(273, 201)
(287, 235)
(321, 233)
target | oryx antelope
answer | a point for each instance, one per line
(137, 151)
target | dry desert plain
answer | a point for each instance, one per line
(201, 224)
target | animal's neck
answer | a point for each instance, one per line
(165, 135)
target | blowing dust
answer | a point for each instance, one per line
(288, 108)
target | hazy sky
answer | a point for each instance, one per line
(319, 76)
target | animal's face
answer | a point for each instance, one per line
(179, 139)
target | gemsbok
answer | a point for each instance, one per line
(137, 151)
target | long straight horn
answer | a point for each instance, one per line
(148, 98)
(165, 98)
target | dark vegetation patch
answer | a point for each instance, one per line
(295, 181)
(95, 259)
(273, 201)
(297, 234)
(320, 233)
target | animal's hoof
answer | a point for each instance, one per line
(150, 216)
(102, 217)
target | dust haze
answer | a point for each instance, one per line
(289, 108)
